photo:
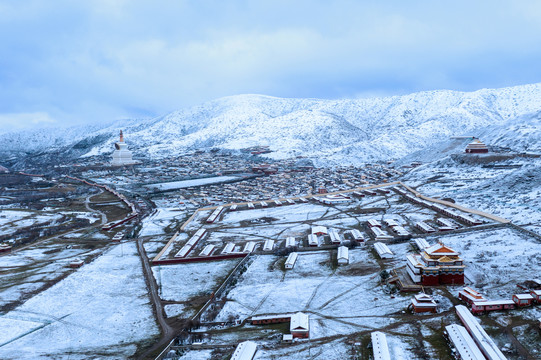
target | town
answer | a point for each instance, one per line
(240, 256)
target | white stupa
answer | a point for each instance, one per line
(121, 155)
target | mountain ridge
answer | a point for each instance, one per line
(344, 130)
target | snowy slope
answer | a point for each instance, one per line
(337, 130)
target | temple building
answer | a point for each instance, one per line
(476, 146)
(121, 155)
(437, 264)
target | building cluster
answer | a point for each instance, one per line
(480, 305)
(262, 178)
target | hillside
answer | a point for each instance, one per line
(350, 131)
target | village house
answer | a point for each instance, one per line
(421, 243)
(373, 223)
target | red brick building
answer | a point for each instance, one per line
(423, 303)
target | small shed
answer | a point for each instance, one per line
(291, 260)
(299, 326)
(5, 248)
(343, 255)
(207, 250)
(228, 249)
(391, 222)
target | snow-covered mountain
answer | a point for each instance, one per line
(356, 130)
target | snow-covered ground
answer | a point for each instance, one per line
(28, 270)
(339, 302)
(510, 189)
(100, 311)
(184, 281)
(161, 218)
(12, 220)
(333, 131)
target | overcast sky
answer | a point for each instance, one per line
(69, 61)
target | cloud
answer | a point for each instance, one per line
(94, 60)
(21, 121)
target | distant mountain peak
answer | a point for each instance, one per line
(345, 130)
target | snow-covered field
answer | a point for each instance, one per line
(339, 302)
(184, 281)
(12, 220)
(101, 311)
(155, 223)
(512, 193)
(28, 270)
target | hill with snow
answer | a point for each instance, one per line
(352, 131)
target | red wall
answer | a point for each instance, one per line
(452, 279)
(197, 259)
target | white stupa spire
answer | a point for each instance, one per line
(121, 155)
